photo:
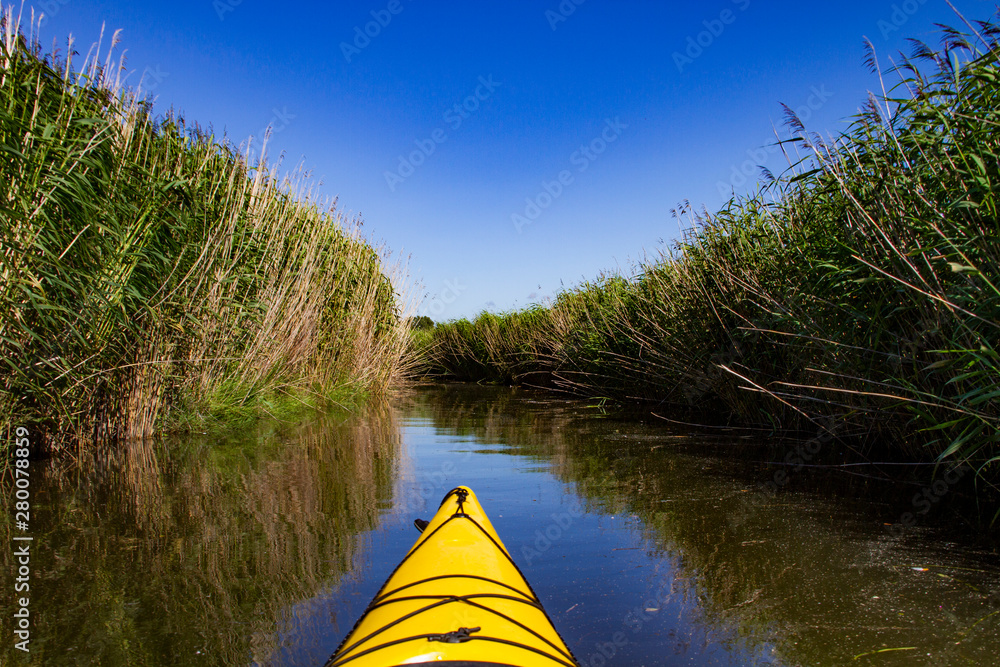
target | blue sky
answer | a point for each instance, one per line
(510, 148)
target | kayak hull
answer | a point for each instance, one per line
(457, 599)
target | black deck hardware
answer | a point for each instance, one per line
(459, 636)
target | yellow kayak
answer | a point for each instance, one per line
(457, 599)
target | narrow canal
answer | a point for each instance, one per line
(645, 548)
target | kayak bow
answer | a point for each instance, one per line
(456, 599)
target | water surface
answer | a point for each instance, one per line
(645, 548)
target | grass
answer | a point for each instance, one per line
(860, 288)
(155, 276)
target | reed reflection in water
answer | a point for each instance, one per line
(813, 575)
(647, 545)
(191, 551)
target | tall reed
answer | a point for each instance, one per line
(858, 292)
(150, 269)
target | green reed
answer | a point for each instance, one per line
(858, 290)
(153, 275)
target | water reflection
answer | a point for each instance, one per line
(816, 576)
(646, 550)
(189, 552)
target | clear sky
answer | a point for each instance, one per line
(512, 147)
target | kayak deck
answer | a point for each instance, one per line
(457, 599)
